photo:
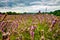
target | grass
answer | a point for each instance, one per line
(39, 26)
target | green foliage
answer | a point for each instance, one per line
(0, 35)
(37, 34)
(26, 35)
(11, 13)
(56, 12)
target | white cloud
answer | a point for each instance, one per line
(42, 2)
(38, 2)
(51, 5)
(34, 8)
(4, 1)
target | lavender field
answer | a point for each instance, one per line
(29, 27)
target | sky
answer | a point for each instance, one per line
(29, 5)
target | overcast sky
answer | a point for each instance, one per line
(29, 5)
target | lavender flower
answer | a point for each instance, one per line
(32, 34)
(15, 23)
(0, 15)
(53, 22)
(32, 28)
(2, 30)
(2, 23)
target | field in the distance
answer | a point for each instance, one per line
(47, 26)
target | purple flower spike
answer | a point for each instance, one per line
(2, 23)
(53, 21)
(32, 28)
(0, 15)
(32, 34)
(17, 25)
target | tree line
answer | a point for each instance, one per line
(56, 12)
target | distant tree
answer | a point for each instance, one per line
(24, 12)
(9, 13)
(0, 12)
(3, 13)
(56, 12)
(39, 12)
(14, 13)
